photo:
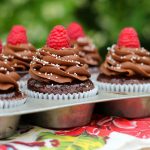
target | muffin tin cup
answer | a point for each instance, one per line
(127, 88)
(62, 118)
(128, 108)
(8, 125)
(38, 95)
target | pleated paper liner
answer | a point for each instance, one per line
(128, 88)
(47, 96)
(11, 100)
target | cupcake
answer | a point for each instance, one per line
(127, 65)
(20, 52)
(57, 72)
(19, 49)
(86, 47)
(10, 96)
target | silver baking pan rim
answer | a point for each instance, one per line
(33, 105)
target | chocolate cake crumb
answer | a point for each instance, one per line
(58, 88)
(122, 79)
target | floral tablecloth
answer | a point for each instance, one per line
(102, 133)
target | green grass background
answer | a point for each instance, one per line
(101, 19)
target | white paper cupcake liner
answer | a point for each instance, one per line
(6, 95)
(12, 102)
(22, 84)
(94, 76)
(47, 96)
(131, 88)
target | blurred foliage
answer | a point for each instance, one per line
(102, 19)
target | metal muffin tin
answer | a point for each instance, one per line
(62, 118)
(130, 108)
(74, 112)
(8, 125)
(38, 105)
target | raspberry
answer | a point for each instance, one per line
(17, 35)
(1, 46)
(75, 31)
(58, 38)
(18, 28)
(128, 38)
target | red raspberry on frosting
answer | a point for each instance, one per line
(75, 31)
(18, 28)
(17, 35)
(58, 38)
(128, 37)
(1, 46)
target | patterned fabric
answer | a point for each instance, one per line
(94, 136)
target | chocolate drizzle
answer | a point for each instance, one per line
(21, 55)
(60, 66)
(127, 62)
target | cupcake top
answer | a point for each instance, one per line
(86, 47)
(18, 48)
(127, 58)
(8, 77)
(57, 61)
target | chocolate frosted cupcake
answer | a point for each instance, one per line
(19, 49)
(20, 52)
(57, 72)
(86, 47)
(10, 96)
(127, 65)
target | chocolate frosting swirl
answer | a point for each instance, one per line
(88, 51)
(126, 61)
(61, 66)
(8, 77)
(21, 55)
